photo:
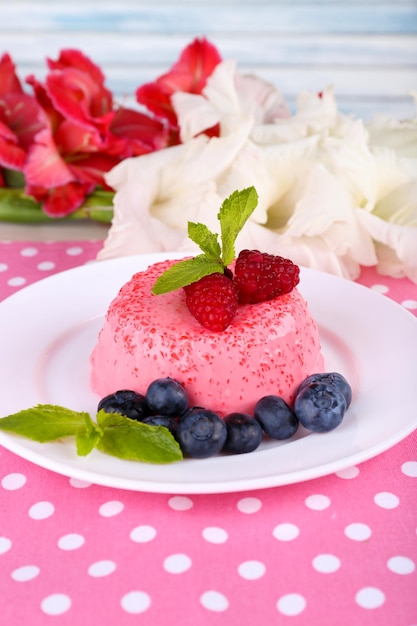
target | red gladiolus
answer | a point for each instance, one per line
(76, 89)
(85, 137)
(67, 135)
(189, 74)
(20, 118)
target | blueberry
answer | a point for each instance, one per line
(167, 396)
(201, 433)
(330, 378)
(320, 407)
(162, 420)
(244, 433)
(276, 417)
(125, 402)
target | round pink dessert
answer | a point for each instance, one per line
(269, 348)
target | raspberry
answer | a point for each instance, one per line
(261, 276)
(213, 301)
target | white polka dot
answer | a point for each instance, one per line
(177, 563)
(45, 266)
(380, 288)
(25, 573)
(56, 604)
(101, 568)
(3, 267)
(17, 281)
(326, 563)
(11, 482)
(5, 545)
(348, 472)
(41, 510)
(72, 541)
(409, 468)
(249, 505)
(214, 534)
(79, 484)
(251, 570)
(286, 532)
(74, 251)
(180, 503)
(135, 602)
(317, 502)
(142, 534)
(29, 251)
(409, 304)
(358, 531)
(214, 601)
(291, 604)
(386, 500)
(110, 508)
(401, 565)
(370, 598)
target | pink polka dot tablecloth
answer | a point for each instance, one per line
(337, 551)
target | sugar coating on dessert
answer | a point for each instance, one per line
(269, 348)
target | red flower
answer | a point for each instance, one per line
(70, 133)
(85, 137)
(75, 86)
(189, 74)
(20, 118)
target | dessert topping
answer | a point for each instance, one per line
(213, 301)
(261, 276)
(212, 292)
(215, 258)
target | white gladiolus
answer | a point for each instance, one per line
(334, 193)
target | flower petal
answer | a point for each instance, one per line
(9, 82)
(64, 200)
(77, 97)
(159, 193)
(45, 167)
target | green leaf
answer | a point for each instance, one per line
(13, 178)
(233, 214)
(87, 436)
(17, 207)
(203, 237)
(44, 422)
(186, 272)
(129, 439)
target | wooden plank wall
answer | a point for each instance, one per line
(366, 49)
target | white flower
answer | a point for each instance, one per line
(334, 194)
(158, 193)
(393, 226)
(227, 99)
(392, 221)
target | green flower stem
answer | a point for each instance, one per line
(19, 208)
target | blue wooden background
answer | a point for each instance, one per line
(366, 49)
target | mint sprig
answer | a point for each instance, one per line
(135, 441)
(112, 434)
(233, 215)
(215, 257)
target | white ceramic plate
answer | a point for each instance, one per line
(48, 330)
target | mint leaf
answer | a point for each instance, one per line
(44, 422)
(128, 439)
(186, 272)
(203, 237)
(233, 214)
(114, 434)
(87, 436)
